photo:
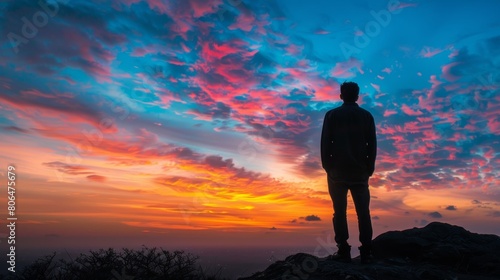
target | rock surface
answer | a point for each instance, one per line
(436, 251)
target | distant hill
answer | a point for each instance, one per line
(437, 251)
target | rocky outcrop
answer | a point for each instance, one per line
(436, 251)
(443, 244)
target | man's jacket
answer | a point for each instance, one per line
(349, 143)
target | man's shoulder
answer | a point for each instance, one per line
(343, 108)
(329, 112)
(365, 111)
(332, 111)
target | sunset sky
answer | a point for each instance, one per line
(198, 122)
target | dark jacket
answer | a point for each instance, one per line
(348, 143)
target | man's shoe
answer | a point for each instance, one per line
(366, 254)
(342, 255)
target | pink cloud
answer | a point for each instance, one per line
(158, 5)
(321, 31)
(294, 49)
(429, 101)
(245, 22)
(453, 54)
(142, 51)
(430, 52)
(34, 93)
(410, 112)
(343, 69)
(215, 51)
(96, 178)
(494, 125)
(167, 97)
(387, 70)
(401, 6)
(51, 106)
(203, 7)
(200, 115)
(446, 69)
(388, 113)
(70, 169)
(326, 90)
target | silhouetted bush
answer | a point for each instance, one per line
(147, 263)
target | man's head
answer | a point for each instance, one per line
(349, 91)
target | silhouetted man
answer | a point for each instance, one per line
(348, 152)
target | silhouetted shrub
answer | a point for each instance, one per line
(146, 263)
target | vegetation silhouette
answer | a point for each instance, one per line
(110, 264)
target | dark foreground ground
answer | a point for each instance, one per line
(438, 251)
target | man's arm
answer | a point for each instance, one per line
(372, 146)
(326, 143)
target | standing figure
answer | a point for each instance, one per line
(348, 152)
